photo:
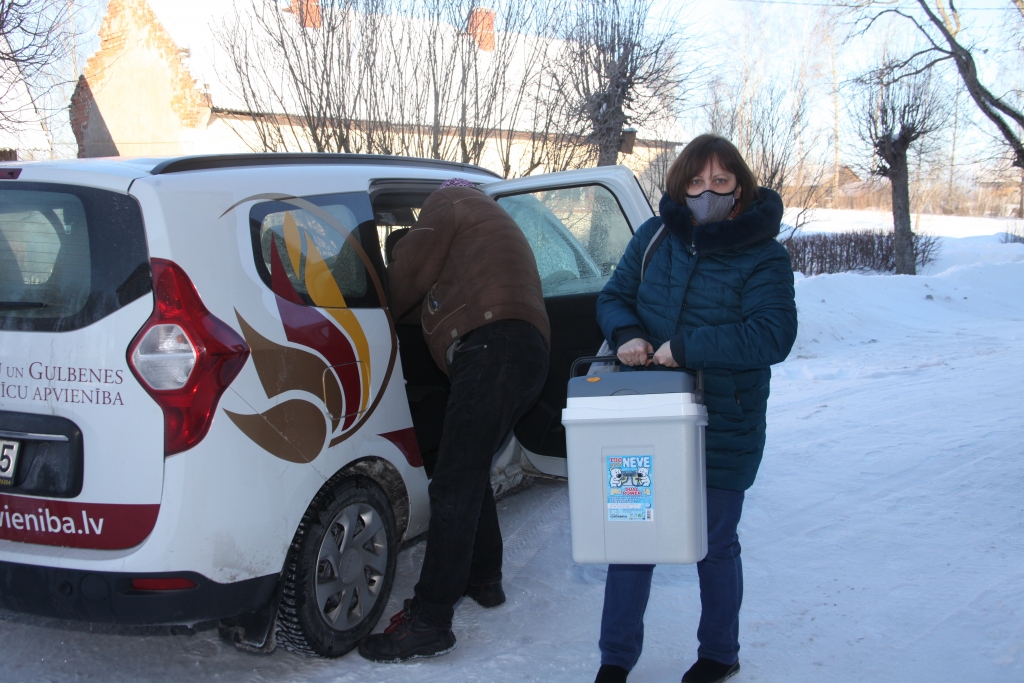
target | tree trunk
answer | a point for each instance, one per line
(1020, 207)
(609, 152)
(899, 176)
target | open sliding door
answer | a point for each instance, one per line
(578, 223)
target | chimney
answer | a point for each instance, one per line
(307, 12)
(481, 28)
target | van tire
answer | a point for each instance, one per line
(359, 574)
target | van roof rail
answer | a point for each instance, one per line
(214, 161)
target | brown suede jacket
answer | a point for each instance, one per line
(470, 265)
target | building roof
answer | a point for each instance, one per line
(193, 25)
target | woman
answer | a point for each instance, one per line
(716, 294)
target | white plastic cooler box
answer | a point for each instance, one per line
(635, 444)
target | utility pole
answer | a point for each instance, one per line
(952, 153)
(835, 122)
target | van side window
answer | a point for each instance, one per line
(318, 248)
(578, 235)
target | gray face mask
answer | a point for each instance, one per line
(711, 207)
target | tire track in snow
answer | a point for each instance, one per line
(524, 544)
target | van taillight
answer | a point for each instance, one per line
(184, 357)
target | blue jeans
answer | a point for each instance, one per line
(721, 591)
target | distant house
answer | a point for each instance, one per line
(851, 185)
(162, 84)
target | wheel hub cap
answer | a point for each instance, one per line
(351, 564)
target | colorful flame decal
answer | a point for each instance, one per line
(283, 368)
(323, 289)
(307, 326)
(295, 430)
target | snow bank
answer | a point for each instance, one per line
(887, 519)
(964, 251)
(852, 325)
(842, 220)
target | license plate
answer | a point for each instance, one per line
(9, 451)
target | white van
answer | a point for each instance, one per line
(206, 408)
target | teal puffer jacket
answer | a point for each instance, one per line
(722, 295)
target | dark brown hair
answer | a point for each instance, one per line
(696, 156)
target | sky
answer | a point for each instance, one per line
(781, 34)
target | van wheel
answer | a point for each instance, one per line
(339, 570)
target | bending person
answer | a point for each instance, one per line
(470, 269)
(716, 295)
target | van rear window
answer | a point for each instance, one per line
(69, 255)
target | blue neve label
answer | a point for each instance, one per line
(630, 488)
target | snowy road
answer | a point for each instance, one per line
(883, 540)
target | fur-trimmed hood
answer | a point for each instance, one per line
(762, 220)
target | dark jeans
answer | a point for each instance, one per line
(721, 591)
(496, 374)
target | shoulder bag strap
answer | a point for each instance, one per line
(652, 247)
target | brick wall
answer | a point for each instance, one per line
(131, 25)
(81, 104)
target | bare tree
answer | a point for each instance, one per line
(299, 71)
(34, 39)
(769, 122)
(940, 27)
(557, 134)
(652, 177)
(449, 76)
(618, 71)
(834, 82)
(414, 74)
(444, 79)
(892, 114)
(451, 79)
(489, 71)
(541, 125)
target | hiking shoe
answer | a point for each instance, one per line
(609, 673)
(486, 595)
(709, 671)
(407, 637)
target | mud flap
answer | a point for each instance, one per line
(253, 632)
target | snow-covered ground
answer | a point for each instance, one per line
(882, 541)
(841, 220)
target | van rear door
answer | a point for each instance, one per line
(82, 442)
(578, 223)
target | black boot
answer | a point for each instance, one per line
(609, 673)
(709, 671)
(487, 595)
(407, 637)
